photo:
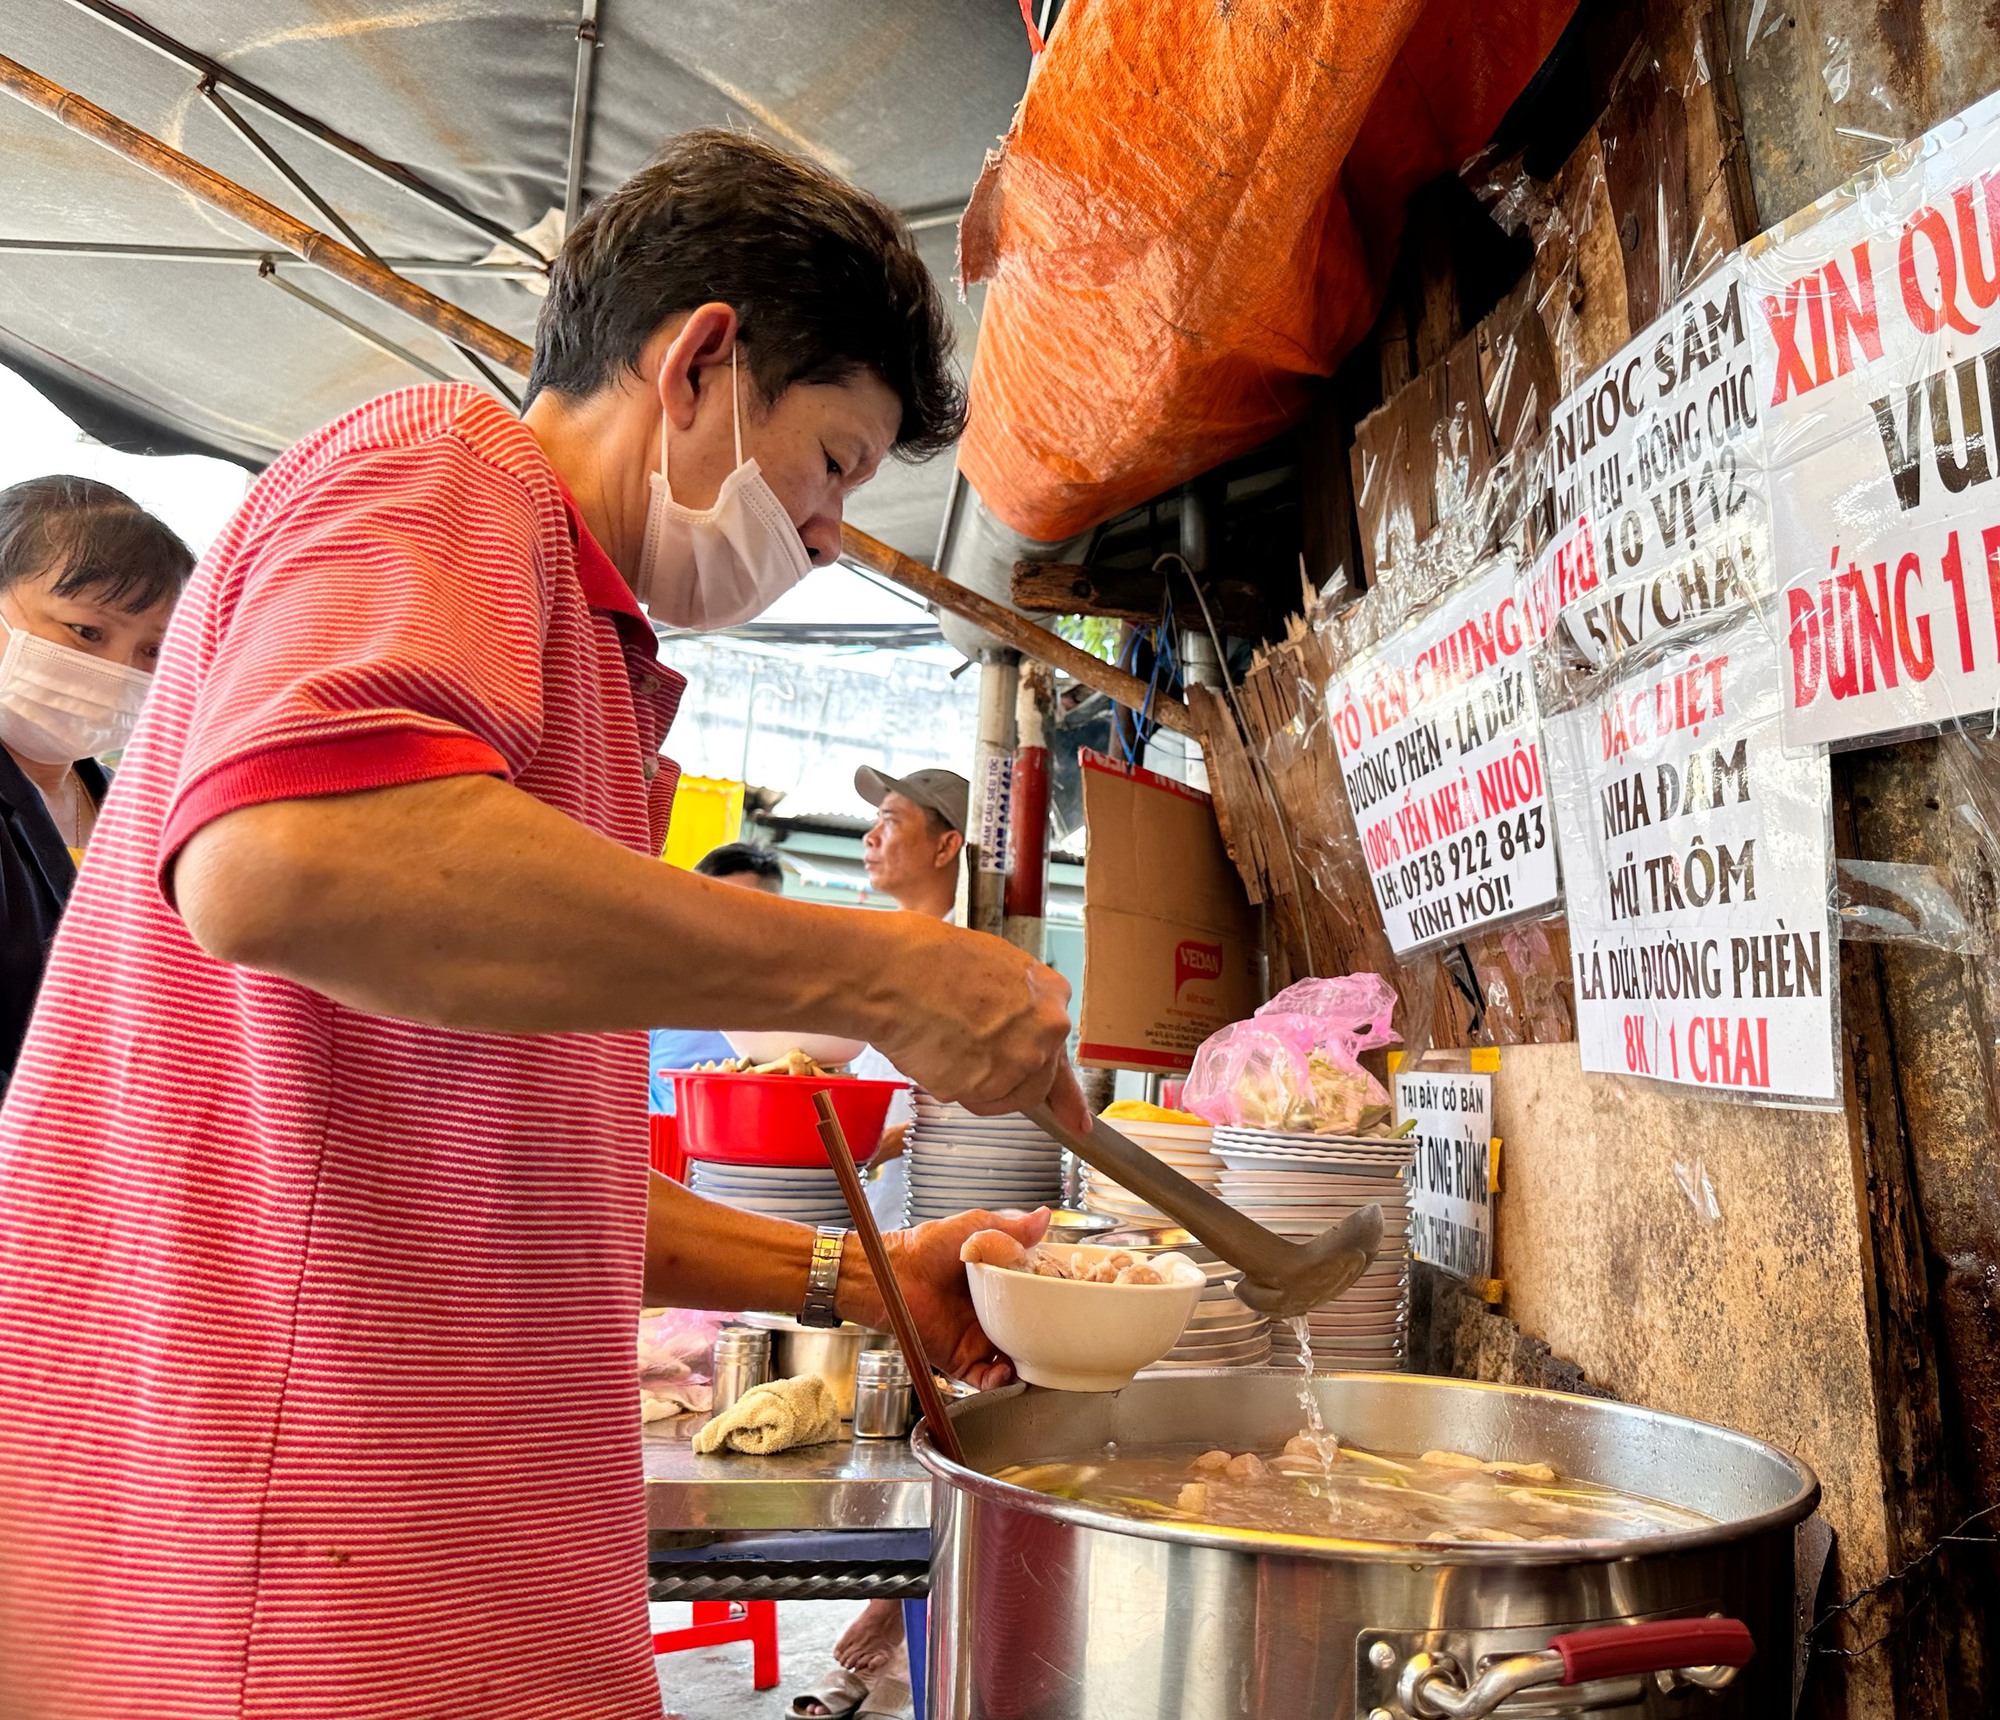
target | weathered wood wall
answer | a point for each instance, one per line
(1870, 1332)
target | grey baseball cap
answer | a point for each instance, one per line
(944, 792)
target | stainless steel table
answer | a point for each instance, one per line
(844, 1521)
(854, 1484)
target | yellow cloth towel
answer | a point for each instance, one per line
(775, 1416)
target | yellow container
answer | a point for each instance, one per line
(708, 811)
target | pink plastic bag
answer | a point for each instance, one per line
(1294, 1064)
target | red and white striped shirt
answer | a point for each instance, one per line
(316, 1328)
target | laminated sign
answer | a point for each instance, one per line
(1656, 467)
(1694, 846)
(1877, 319)
(1451, 1175)
(1697, 857)
(1440, 747)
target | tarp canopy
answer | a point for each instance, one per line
(1194, 214)
(180, 355)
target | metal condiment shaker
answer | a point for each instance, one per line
(741, 1359)
(882, 1407)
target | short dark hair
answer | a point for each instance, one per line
(733, 859)
(824, 279)
(96, 540)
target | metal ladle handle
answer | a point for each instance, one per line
(1280, 1277)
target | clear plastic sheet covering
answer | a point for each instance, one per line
(1889, 902)
(1696, 850)
(1879, 349)
(1192, 216)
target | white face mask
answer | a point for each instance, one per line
(58, 705)
(705, 568)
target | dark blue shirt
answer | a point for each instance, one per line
(36, 877)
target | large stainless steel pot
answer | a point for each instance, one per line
(1043, 1609)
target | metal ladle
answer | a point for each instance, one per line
(1279, 1277)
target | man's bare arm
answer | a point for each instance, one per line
(468, 903)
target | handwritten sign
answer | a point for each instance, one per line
(1450, 1178)
(1696, 853)
(1877, 328)
(1656, 463)
(1439, 736)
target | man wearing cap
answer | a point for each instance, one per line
(912, 849)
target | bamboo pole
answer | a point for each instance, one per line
(1015, 630)
(87, 119)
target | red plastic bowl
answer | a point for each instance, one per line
(771, 1119)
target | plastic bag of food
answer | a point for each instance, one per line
(674, 1342)
(1294, 1065)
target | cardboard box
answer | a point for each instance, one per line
(1169, 938)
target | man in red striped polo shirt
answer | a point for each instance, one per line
(324, 1214)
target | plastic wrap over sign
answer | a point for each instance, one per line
(1878, 331)
(1657, 464)
(1696, 853)
(1439, 737)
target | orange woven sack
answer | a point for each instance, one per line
(1195, 210)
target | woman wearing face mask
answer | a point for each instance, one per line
(87, 581)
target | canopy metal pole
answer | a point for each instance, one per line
(381, 166)
(579, 113)
(269, 272)
(249, 257)
(89, 120)
(285, 170)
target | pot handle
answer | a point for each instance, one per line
(1663, 1645)
(1704, 1652)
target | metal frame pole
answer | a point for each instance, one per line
(380, 165)
(89, 120)
(579, 113)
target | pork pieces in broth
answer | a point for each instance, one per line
(1321, 1488)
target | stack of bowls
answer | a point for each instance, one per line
(1181, 1146)
(1297, 1185)
(958, 1161)
(1221, 1332)
(807, 1196)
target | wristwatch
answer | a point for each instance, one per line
(823, 1278)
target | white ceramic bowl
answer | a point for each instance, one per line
(822, 1048)
(1078, 1337)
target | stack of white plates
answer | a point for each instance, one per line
(958, 1161)
(808, 1195)
(1180, 1146)
(1221, 1332)
(1298, 1185)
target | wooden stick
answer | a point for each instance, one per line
(87, 119)
(1015, 630)
(943, 1435)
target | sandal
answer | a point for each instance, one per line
(838, 1694)
(889, 1698)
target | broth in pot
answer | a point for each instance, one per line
(1317, 1487)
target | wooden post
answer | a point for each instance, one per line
(1014, 630)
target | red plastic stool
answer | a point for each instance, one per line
(718, 1622)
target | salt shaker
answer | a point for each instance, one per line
(881, 1395)
(741, 1359)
